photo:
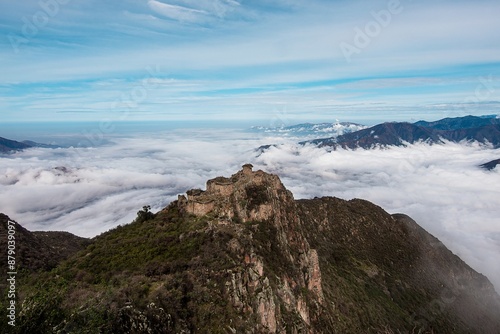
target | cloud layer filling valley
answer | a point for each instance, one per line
(89, 190)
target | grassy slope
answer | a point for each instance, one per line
(170, 274)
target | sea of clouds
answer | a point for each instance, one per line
(87, 191)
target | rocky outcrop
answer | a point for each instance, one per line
(255, 196)
(245, 196)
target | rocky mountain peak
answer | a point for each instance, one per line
(245, 196)
(256, 196)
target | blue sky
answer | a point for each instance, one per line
(69, 60)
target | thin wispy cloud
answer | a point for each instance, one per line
(180, 13)
(242, 47)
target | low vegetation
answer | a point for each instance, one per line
(172, 272)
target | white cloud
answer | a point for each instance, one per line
(440, 186)
(279, 47)
(180, 13)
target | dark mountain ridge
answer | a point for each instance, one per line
(7, 145)
(35, 144)
(468, 128)
(490, 165)
(466, 122)
(244, 257)
(40, 250)
(386, 134)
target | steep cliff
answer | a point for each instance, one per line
(244, 257)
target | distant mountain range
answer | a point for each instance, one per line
(485, 130)
(304, 129)
(458, 123)
(8, 146)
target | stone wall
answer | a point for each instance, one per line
(199, 208)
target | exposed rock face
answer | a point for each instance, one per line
(248, 197)
(244, 257)
(245, 196)
(314, 275)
